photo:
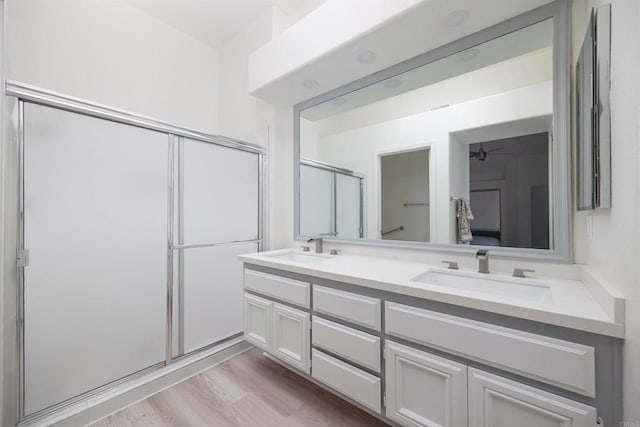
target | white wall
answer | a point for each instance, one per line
(611, 245)
(112, 53)
(243, 116)
(250, 119)
(358, 149)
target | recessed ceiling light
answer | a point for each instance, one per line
(468, 55)
(392, 83)
(310, 84)
(456, 18)
(339, 101)
(366, 57)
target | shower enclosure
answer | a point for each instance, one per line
(128, 235)
(331, 201)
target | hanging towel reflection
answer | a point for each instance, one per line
(463, 216)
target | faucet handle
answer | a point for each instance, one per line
(305, 248)
(453, 265)
(334, 251)
(519, 272)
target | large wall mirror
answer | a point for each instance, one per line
(463, 147)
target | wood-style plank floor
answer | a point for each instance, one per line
(247, 390)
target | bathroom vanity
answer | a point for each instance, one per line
(423, 346)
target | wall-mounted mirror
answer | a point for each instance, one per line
(593, 124)
(463, 146)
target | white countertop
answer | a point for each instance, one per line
(583, 305)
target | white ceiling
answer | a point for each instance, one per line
(214, 21)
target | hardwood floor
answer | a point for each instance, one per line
(248, 390)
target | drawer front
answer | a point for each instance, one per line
(289, 290)
(359, 309)
(561, 363)
(357, 346)
(352, 382)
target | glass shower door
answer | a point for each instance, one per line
(317, 201)
(218, 220)
(349, 206)
(95, 226)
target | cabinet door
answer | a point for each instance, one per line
(424, 389)
(290, 332)
(497, 402)
(257, 321)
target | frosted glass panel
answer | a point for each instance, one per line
(96, 229)
(213, 296)
(348, 206)
(316, 201)
(220, 193)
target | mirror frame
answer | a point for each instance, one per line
(560, 182)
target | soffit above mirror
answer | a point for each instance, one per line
(359, 38)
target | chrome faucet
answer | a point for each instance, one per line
(318, 241)
(483, 260)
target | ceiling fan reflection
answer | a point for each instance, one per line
(481, 154)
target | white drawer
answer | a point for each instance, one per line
(289, 290)
(352, 382)
(561, 363)
(359, 309)
(346, 342)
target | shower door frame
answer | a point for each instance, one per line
(17, 94)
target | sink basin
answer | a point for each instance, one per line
(300, 257)
(498, 286)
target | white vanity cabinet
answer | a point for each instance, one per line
(356, 374)
(560, 363)
(278, 328)
(423, 389)
(427, 390)
(417, 365)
